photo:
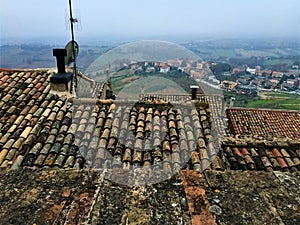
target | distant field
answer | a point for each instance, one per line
(120, 81)
(230, 53)
(267, 100)
(289, 104)
(270, 62)
(152, 83)
(40, 56)
(276, 100)
(217, 52)
(279, 95)
(256, 53)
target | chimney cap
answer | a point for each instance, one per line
(59, 52)
(194, 87)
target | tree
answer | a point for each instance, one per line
(292, 76)
(283, 78)
(281, 67)
(219, 68)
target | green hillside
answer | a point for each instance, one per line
(171, 83)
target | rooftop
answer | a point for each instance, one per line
(72, 156)
(51, 196)
(264, 122)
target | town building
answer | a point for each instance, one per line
(164, 69)
(290, 84)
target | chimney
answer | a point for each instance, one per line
(61, 82)
(231, 102)
(60, 59)
(223, 103)
(194, 90)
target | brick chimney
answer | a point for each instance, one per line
(60, 59)
(231, 104)
(61, 82)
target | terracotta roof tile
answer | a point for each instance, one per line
(264, 122)
(282, 163)
(40, 129)
(276, 152)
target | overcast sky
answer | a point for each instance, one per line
(45, 18)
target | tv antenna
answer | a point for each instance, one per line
(76, 21)
(72, 47)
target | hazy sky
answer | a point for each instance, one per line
(37, 18)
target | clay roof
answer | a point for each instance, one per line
(164, 66)
(41, 129)
(271, 158)
(55, 140)
(33, 121)
(264, 122)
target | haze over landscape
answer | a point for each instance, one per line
(33, 20)
(240, 45)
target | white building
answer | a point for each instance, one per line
(164, 69)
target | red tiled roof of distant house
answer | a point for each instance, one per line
(263, 122)
(277, 74)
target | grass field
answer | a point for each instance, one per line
(270, 62)
(216, 52)
(279, 95)
(275, 100)
(289, 104)
(152, 82)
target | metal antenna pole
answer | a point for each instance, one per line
(72, 20)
